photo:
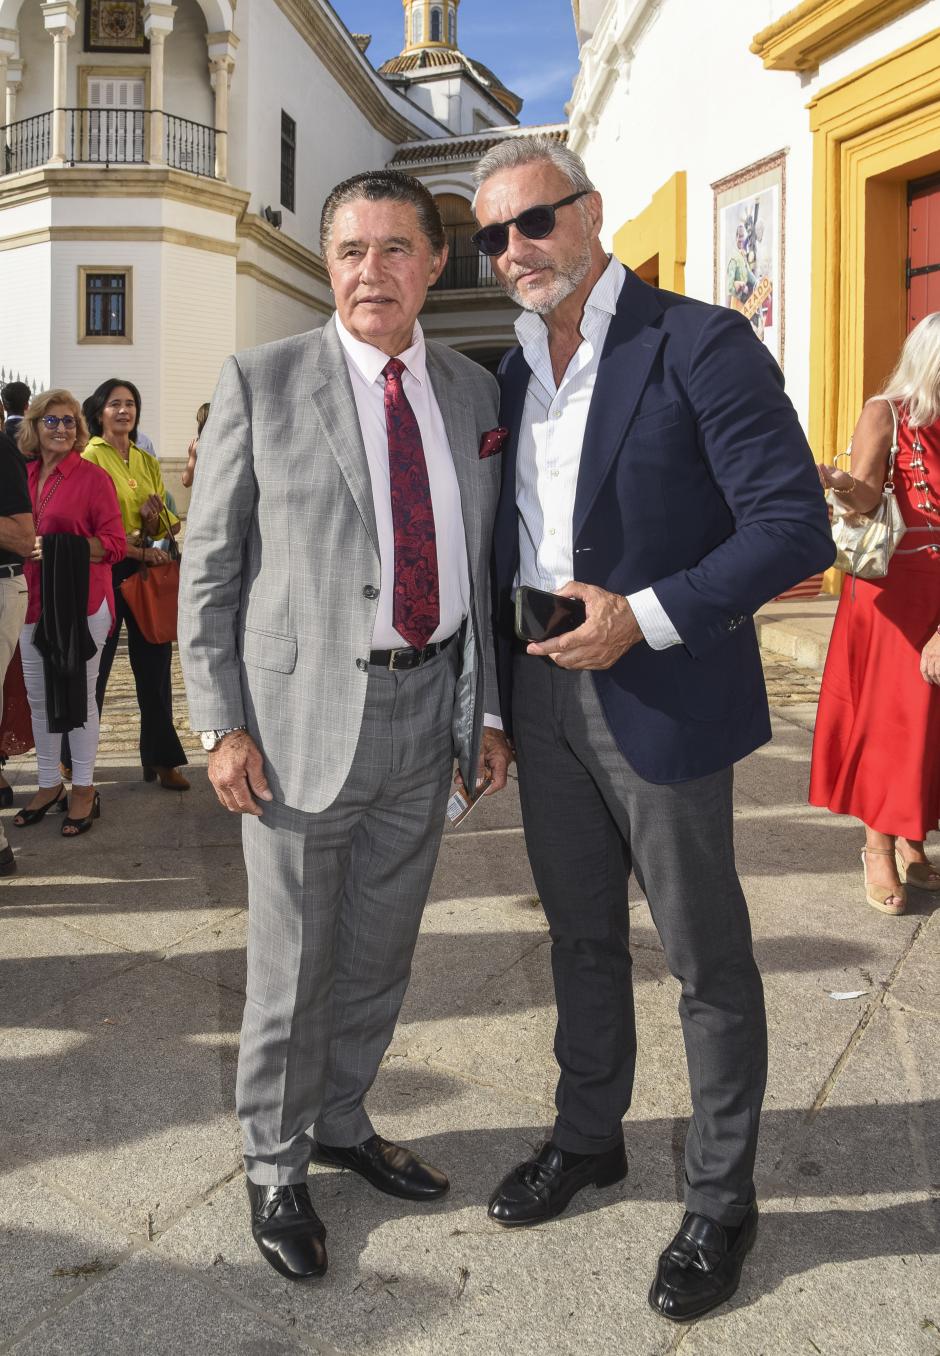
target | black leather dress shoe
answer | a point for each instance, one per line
(700, 1269)
(288, 1230)
(541, 1188)
(392, 1169)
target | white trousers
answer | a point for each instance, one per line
(84, 740)
(13, 600)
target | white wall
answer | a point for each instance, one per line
(82, 367)
(25, 285)
(266, 314)
(694, 98)
(197, 333)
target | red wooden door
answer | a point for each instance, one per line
(923, 249)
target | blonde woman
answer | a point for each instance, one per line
(876, 750)
(73, 501)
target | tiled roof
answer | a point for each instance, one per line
(473, 147)
(438, 58)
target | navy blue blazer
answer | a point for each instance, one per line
(695, 479)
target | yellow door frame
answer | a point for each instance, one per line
(659, 230)
(872, 132)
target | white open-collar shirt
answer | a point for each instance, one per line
(549, 455)
(365, 363)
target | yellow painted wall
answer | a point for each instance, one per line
(873, 132)
(658, 234)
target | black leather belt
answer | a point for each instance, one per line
(408, 657)
(10, 571)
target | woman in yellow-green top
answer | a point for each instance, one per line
(112, 413)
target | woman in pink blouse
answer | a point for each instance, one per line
(73, 497)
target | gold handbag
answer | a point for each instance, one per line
(865, 542)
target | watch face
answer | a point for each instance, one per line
(209, 739)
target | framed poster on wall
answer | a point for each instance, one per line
(749, 246)
(115, 26)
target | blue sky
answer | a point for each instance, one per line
(529, 44)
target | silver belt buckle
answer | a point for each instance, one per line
(392, 654)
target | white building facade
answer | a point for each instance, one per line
(162, 171)
(811, 135)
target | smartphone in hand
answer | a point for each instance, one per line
(542, 616)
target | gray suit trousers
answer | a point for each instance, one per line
(589, 819)
(334, 905)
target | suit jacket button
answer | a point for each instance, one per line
(361, 665)
(370, 591)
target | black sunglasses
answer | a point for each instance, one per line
(535, 223)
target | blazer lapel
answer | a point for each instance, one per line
(332, 393)
(460, 425)
(627, 358)
(513, 386)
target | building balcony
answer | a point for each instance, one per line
(109, 136)
(466, 268)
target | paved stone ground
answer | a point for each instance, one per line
(123, 1220)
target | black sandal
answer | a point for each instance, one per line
(27, 817)
(71, 828)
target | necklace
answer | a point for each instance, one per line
(131, 482)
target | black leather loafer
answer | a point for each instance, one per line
(7, 862)
(389, 1167)
(700, 1270)
(288, 1230)
(540, 1188)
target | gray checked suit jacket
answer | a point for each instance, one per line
(281, 560)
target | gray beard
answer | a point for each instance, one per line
(564, 283)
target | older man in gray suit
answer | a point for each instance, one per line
(334, 628)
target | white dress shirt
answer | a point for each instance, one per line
(365, 363)
(549, 455)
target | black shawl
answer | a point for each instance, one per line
(62, 636)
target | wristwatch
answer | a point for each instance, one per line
(211, 739)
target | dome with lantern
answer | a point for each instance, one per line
(432, 71)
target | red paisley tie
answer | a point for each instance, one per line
(416, 608)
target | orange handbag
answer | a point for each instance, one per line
(152, 595)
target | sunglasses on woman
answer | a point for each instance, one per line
(54, 420)
(535, 223)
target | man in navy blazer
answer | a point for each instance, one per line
(655, 469)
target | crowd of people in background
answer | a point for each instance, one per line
(87, 472)
(83, 508)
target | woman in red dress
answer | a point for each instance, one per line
(876, 750)
(71, 497)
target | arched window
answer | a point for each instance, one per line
(452, 27)
(463, 265)
(437, 31)
(416, 26)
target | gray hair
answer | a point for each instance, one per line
(915, 382)
(516, 151)
(379, 186)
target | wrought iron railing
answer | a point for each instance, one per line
(27, 143)
(465, 266)
(189, 145)
(107, 136)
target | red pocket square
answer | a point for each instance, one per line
(492, 441)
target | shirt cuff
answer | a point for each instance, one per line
(492, 722)
(653, 620)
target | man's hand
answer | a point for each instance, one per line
(930, 660)
(610, 631)
(36, 552)
(236, 770)
(495, 757)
